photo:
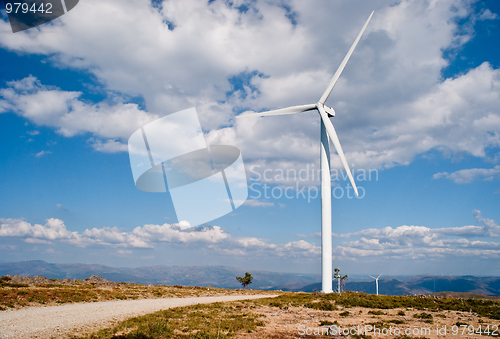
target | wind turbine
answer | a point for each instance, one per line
(327, 131)
(376, 280)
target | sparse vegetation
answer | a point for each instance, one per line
(397, 322)
(328, 323)
(376, 312)
(323, 305)
(423, 315)
(15, 295)
(235, 319)
(426, 317)
(330, 302)
(229, 320)
(216, 320)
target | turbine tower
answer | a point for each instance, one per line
(327, 131)
(376, 281)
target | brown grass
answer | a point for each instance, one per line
(280, 318)
(23, 296)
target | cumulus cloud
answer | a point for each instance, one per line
(147, 236)
(300, 248)
(392, 103)
(486, 14)
(398, 242)
(467, 176)
(52, 230)
(109, 146)
(70, 116)
(421, 241)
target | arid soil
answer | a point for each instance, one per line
(301, 322)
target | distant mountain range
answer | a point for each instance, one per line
(225, 276)
(216, 276)
(422, 285)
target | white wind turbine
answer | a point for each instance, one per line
(327, 130)
(376, 280)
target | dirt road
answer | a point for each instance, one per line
(60, 321)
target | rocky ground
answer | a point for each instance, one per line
(301, 322)
(42, 281)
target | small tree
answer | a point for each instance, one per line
(246, 280)
(340, 279)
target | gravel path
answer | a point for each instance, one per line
(60, 321)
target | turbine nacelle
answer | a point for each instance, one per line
(329, 111)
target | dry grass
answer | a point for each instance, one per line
(280, 318)
(217, 320)
(23, 295)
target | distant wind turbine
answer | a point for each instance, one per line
(327, 130)
(376, 280)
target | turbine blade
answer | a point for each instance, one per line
(371, 276)
(342, 65)
(380, 275)
(282, 111)
(336, 142)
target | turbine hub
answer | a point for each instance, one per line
(329, 111)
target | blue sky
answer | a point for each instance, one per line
(417, 105)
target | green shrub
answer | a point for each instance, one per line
(328, 323)
(397, 321)
(422, 315)
(323, 305)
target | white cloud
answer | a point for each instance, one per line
(396, 243)
(486, 14)
(255, 243)
(174, 234)
(258, 203)
(52, 230)
(50, 106)
(467, 176)
(150, 236)
(42, 153)
(300, 248)
(109, 146)
(37, 241)
(391, 101)
(420, 241)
